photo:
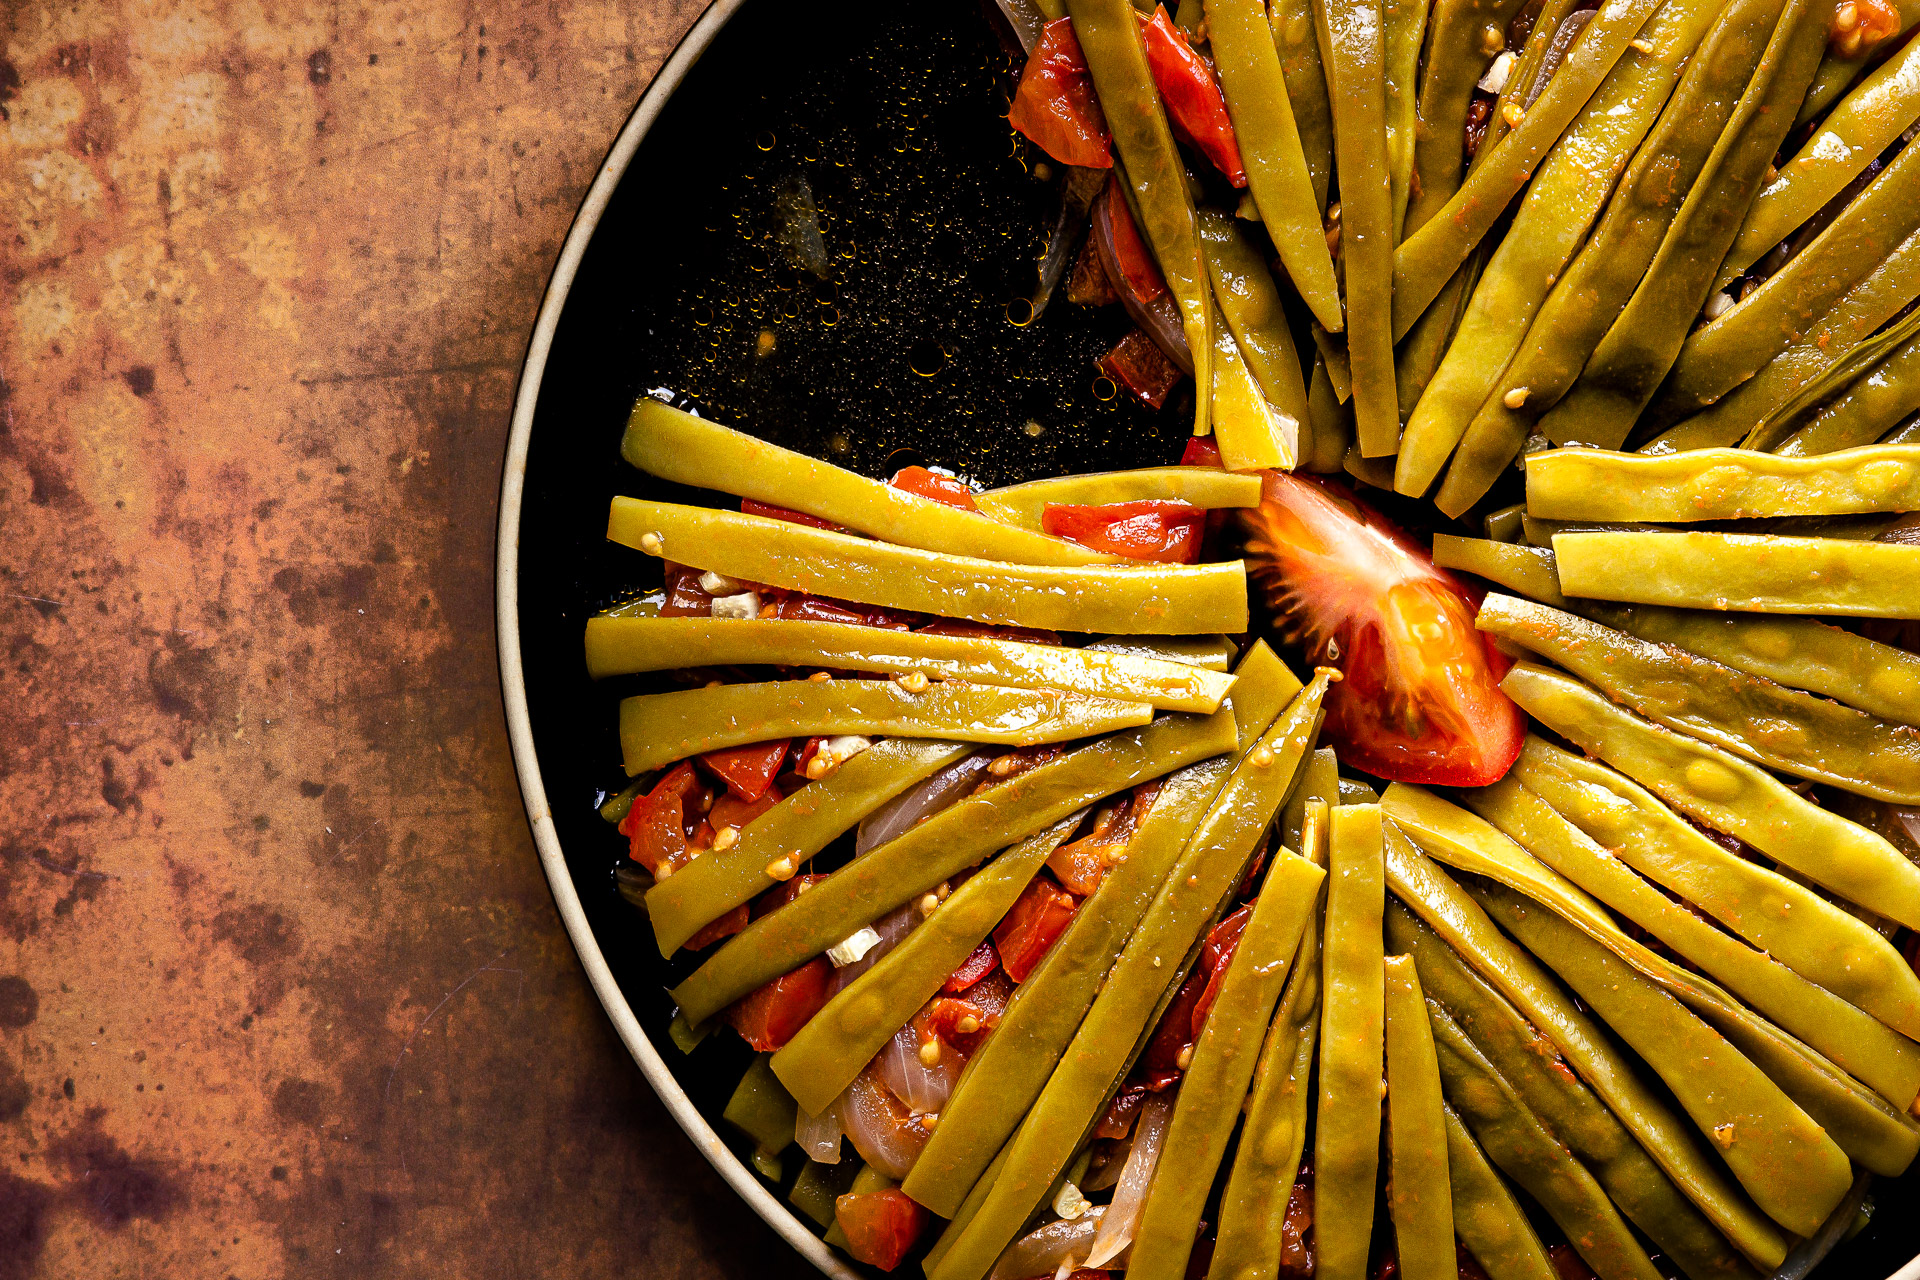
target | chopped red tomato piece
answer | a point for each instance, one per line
(1015, 763)
(1296, 1244)
(960, 1022)
(1567, 1264)
(1089, 285)
(713, 930)
(1055, 105)
(1195, 106)
(684, 598)
(748, 507)
(931, 484)
(800, 608)
(1118, 1120)
(1139, 365)
(1217, 954)
(729, 811)
(1860, 25)
(988, 631)
(1420, 701)
(748, 771)
(1035, 922)
(770, 1016)
(1201, 451)
(1139, 273)
(1082, 865)
(1160, 1065)
(972, 969)
(656, 824)
(1154, 529)
(880, 1226)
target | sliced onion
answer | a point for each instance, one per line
(1077, 192)
(1130, 1196)
(883, 1130)
(1044, 1250)
(819, 1136)
(1026, 19)
(1108, 1174)
(929, 797)
(1160, 319)
(922, 1087)
(1910, 819)
(1564, 37)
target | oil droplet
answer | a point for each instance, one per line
(829, 316)
(763, 346)
(1020, 313)
(827, 291)
(764, 140)
(703, 314)
(1104, 389)
(925, 357)
(1034, 428)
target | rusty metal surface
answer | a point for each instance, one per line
(282, 991)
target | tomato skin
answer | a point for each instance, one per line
(1195, 106)
(770, 1016)
(1138, 364)
(802, 608)
(1154, 530)
(1201, 451)
(972, 969)
(1420, 699)
(720, 927)
(933, 485)
(1222, 941)
(987, 631)
(1160, 1062)
(655, 825)
(748, 771)
(880, 1226)
(748, 507)
(1139, 273)
(1030, 928)
(1055, 105)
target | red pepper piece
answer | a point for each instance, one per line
(1216, 954)
(1201, 451)
(1035, 922)
(1155, 529)
(770, 1016)
(933, 485)
(1138, 364)
(880, 1226)
(1055, 105)
(656, 825)
(748, 771)
(972, 969)
(1195, 106)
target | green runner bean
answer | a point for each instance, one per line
(1745, 572)
(1025, 504)
(1490, 1222)
(1837, 71)
(1720, 484)
(1406, 29)
(1209, 653)
(1458, 54)
(1134, 599)
(1876, 402)
(1250, 303)
(1300, 63)
(1528, 571)
(763, 1111)
(1250, 431)
(1319, 779)
(1418, 1198)
(1329, 422)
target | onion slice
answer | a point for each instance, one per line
(1046, 1249)
(819, 1136)
(922, 1087)
(928, 797)
(885, 1133)
(1159, 319)
(1130, 1196)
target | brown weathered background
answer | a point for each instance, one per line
(282, 992)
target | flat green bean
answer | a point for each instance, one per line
(1300, 63)
(1250, 431)
(1215, 1084)
(1420, 352)
(1860, 359)
(1452, 913)
(1782, 917)
(1320, 779)
(1135, 599)
(1720, 484)
(1837, 71)
(1418, 1196)
(1025, 504)
(824, 1056)
(763, 1111)
(1528, 1061)
(957, 1227)
(1354, 40)
(1001, 1081)
(798, 827)
(1749, 573)
(1209, 653)
(1866, 123)
(1277, 172)
(1458, 54)
(621, 646)
(1346, 1148)
(674, 445)
(658, 728)
(1490, 1222)
(1524, 570)
(819, 1185)
(1406, 29)
(1269, 685)
(943, 845)
(1726, 793)
(1139, 982)
(1250, 303)
(1751, 716)
(1149, 160)
(1330, 422)
(1880, 399)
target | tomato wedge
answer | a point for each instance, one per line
(1201, 451)
(1222, 941)
(880, 1226)
(1035, 922)
(748, 771)
(931, 484)
(1195, 106)
(748, 507)
(1420, 701)
(1153, 529)
(1055, 105)
(656, 826)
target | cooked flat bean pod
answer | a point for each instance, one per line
(798, 827)
(1717, 357)
(762, 1109)
(824, 1056)
(1745, 572)
(1522, 569)
(1782, 917)
(1406, 29)
(1330, 423)
(1277, 172)
(1458, 54)
(1251, 432)
(1418, 1198)
(1300, 63)
(1452, 913)
(1253, 1207)
(674, 445)
(1355, 45)
(1837, 71)
(621, 646)
(1651, 333)
(1720, 484)
(1768, 723)
(1645, 1194)
(1250, 301)
(1726, 793)
(1490, 1222)
(1209, 653)
(1346, 1147)
(943, 845)
(1797, 652)
(1319, 779)
(1215, 1085)
(1851, 1038)
(1866, 123)
(1138, 983)
(1422, 266)
(968, 1208)
(1420, 352)
(1146, 155)
(1854, 365)
(658, 728)
(1467, 400)
(1269, 685)
(1882, 398)
(1744, 412)
(1530, 1154)
(1025, 504)
(1001, 1081)
(1595, 288)
(1135, 599)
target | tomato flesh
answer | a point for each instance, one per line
(770, 1016)
(1055, 105)
(1420, 699)
(748, 507)
(1222, 941)
(1030, 928)
(880, 1226)
(972, 969)
(1139, 273)
(1138, 364)
(1195, 106)
(748, 771)
(1154, 529)
(656, 826)
(931, 484)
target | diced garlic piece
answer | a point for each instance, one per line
(1495, 81)
(718, 584)
(854, 947)
(1070, 1203)
(744, 605)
